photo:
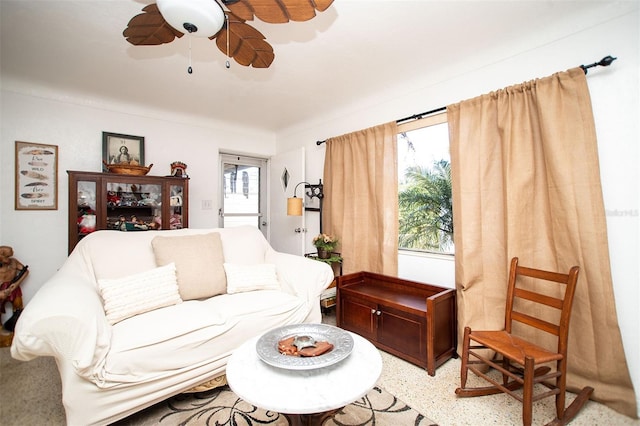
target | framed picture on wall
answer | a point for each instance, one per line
(122, 149)
(36, 176)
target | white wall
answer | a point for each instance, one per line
(612, 30)
(39, 238)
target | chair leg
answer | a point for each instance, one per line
(527, 392)
(464, 358)
(507, 366)
(561, 384)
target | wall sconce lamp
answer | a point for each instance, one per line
(294, 204)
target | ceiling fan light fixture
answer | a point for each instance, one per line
(200, 18)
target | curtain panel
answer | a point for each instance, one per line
(361, 198)
(526, 183)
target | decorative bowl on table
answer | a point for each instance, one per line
(267, 346)
(128, 169)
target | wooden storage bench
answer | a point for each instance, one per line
(412, 320)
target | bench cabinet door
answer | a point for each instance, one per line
(403, 334)
(359, 316)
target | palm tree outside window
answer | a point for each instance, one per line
(424, 186)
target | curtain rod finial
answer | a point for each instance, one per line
(604, 62)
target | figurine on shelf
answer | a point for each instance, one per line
(175, 221)
(113, 199)
(138, 225)
(148, 199)
(12, 273)
(156, 223)
(179, 169)
(121, 223)
(86, 220)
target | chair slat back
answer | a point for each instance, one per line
(563, 304)
(535, 322)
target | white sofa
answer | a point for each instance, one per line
(110, 371)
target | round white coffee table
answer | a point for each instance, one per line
(304, 396)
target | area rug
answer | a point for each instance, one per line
(221, 407)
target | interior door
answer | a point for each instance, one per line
(244, 192)
(286, 171)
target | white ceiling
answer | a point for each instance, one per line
(355, 48)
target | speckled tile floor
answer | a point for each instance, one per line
(435, 397)
(34, 399)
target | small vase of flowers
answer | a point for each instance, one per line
(325, 244)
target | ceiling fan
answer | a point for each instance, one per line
(165, 20)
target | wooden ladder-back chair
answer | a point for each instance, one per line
(519, 361)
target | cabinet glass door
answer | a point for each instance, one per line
(176, 202)
(133, 207)
(86, 208)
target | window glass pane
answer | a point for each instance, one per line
(424, 191)
(241, 189)
(243, 186)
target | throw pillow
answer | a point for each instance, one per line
(198, 260)
(241, 278)
(139, 293)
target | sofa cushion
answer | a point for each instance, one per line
(207, 331)
(241, 278)
(139, 293)
(199, 263)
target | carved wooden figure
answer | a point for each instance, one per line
(12, 273)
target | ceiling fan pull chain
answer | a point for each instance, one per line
(227, 64)
(190, 70)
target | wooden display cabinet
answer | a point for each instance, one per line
(412, 320)
(125, 202)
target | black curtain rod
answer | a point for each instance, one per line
(421, 115)
(412, 117)
(604, 62)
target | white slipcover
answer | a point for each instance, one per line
(109, 372)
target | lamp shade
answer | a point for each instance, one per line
(294, 206)
(200, 18)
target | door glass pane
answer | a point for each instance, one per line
(241, 195)
(243, 192)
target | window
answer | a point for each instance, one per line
(424, 186)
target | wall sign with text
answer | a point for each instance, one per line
(36, 176)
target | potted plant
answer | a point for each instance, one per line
(325, 244)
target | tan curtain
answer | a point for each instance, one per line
(526, 183)
(361, 198)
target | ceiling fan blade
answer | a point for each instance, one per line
(246, 44)
(277, 11)
(150, 28)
